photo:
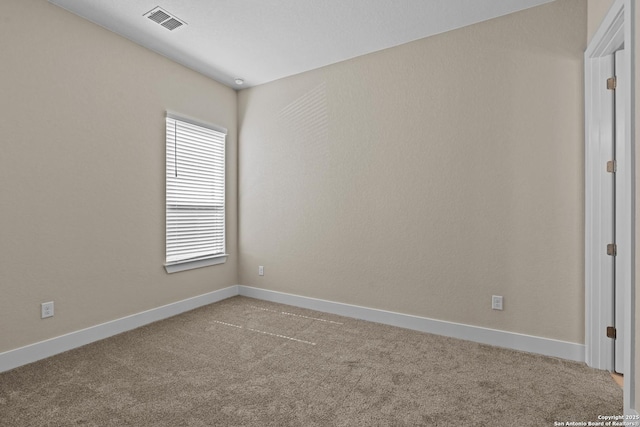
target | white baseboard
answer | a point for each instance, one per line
(511, 340)
(31, 353)
(21, 356)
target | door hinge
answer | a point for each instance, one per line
(612, 82)
(612, 249)
(611, 332)
(611, 166)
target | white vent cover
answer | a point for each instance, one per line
(164, 18)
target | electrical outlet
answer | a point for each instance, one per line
(46, 309)
(496, 302)
(260, 270)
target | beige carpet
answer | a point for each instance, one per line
(244, 362)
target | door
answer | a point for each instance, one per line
(611, 203)
(619, 126)
(601, 245)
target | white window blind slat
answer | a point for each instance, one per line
(194, 172)
(196, 244)
(202, 161)
(195, 141)
(183, 241)
(195, 197)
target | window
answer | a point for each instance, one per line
(195, 194)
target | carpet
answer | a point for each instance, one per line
(246, 362)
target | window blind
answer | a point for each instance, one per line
(195, 191)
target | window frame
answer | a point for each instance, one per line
(204, 261)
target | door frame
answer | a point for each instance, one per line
(615, 31)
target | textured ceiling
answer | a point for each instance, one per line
(261, 41)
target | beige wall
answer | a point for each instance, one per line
(597, 9)
(425, 178)
(82, 173)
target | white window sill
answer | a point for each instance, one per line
(190, 265)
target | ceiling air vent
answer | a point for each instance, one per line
(164, 18)
(171, 24)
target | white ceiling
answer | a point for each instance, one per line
(264, 40)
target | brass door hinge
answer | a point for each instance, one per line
(611, 332)
(612, 249)
(611, 166)
(612, 82)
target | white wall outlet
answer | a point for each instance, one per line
(496, 302)
(260, 270)
(46, 309)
